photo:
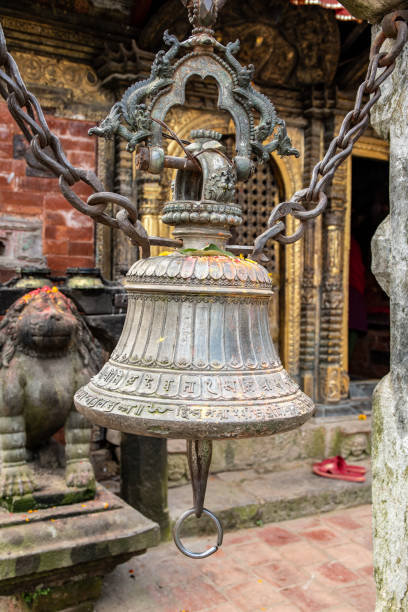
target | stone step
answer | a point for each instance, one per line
(362, 388)
(247, 499)
(348, 408)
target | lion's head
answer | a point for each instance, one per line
(45, 323)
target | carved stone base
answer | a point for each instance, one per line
(52, 491)
(56, 558)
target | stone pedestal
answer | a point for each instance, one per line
(56, 558)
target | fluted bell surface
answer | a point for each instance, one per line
(195, 358)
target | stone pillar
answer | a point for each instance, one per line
(144, 478)
(390, 433)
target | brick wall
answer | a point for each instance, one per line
(67, 235)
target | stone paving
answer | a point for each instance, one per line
(321, 563)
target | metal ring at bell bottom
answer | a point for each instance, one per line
(183, 549)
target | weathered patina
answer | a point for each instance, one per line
(47, 351)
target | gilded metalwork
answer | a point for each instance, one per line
(353, 126)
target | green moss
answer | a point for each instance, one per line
(315, 445)
(230, 455)
(39, 501)
(77, 592)
(77, 496)
(29, 598)
(19, 504)
(336, 442)
(378, 417)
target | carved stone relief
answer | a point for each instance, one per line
(288, 45)
(65, 85)
(356, 446)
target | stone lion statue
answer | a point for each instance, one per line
(46, 353)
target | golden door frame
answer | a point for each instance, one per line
(369, 148)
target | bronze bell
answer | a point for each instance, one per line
(195, 359)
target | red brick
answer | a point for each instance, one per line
(21, 199)
(57, 232)
(6, 149)
(351, 555)
(255, 595)
(276, 536)
(56, 247)
(18, 166)
(7, 181)
(363, 537)
(80, 128)
(78, 220)
(360, 596)
(320, 535)
(80, 248)
(252, 553)
(282, 574)
(82, 234)
(36, 183)
(300, 524)
(15, 209)
(60, 263)
(302, 553)
(6, 275)
(242, 537)
(224, 608)
(344, 522)
(78, 144)
(80, 225)
(313, 598)
(224, 572)
(4, 112)
(56, 201)
(83, 190)
(367, 571)
(5, 130)
(54, 218)
(336, 573)
(82, 159)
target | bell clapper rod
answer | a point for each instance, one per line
(199, 453)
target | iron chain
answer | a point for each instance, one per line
(47, 150)
(304, 205)
(311, 202)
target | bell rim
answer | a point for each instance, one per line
(179, 427)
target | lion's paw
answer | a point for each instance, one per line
(16, 481)
(80, 474)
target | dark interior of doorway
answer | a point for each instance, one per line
(369, 318)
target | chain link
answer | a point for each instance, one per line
(311, 202)
(47, 150)
(306, 204)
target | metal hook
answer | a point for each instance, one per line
(199, 454)
(190, 553)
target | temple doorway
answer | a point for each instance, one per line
(369, 312)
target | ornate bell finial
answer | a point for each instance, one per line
(203, 13)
